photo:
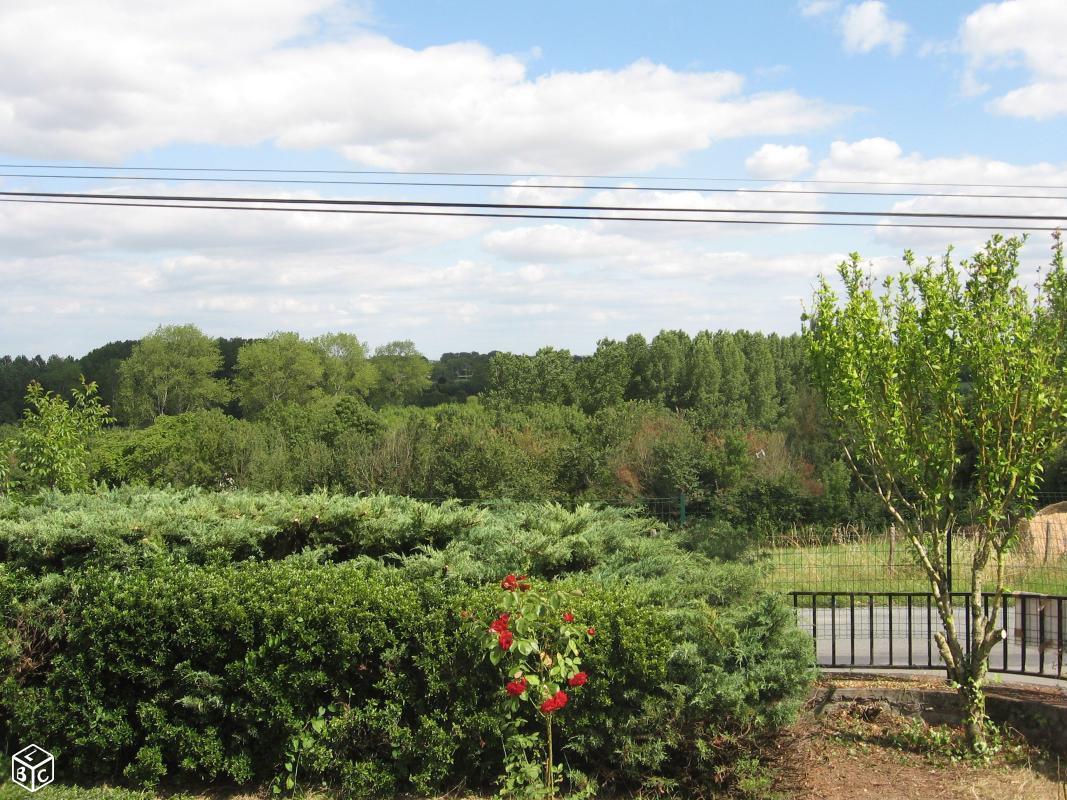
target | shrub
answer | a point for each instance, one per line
(176, 670)
(124, 526)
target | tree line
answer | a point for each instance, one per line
(728, 418)
(729, 377)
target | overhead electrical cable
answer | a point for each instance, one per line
(588, 187)
(425, 213)
(275, 170)
(533, 206)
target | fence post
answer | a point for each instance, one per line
(892, 544)
(1048, 541)
(948, 562)
(681, 508)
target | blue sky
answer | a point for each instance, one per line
(776, 92)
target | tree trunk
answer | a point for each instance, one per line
(974, 715)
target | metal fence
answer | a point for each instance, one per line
(895, 630)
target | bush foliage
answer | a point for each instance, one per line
(186, 635)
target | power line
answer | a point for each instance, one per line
(535, 206)
(423, 213)
(587, 187)
(525, 175)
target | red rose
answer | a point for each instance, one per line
(554, 703)
(516, 687)
(506, 638)
(510, 582)
(568, 617)
(500, 624)
(591, 631)
(524, 585)
(578, 679)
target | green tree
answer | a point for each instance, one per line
(949, 390)
(668, 353)
(280, 369)
(705, 374)
(548, 376)
(403, 373)
(640, 386)
(733, 383)
(50, 450)
(764, 405)
(602, 378)
(346, 369)
(170, 371)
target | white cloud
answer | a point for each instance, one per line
(883, 160)
(633, 255)
(38, 229)
(1021, 33)
(778, 161)
(866, 26)
(879, 159)
(107, 79)
(538, 191)
(816, 8)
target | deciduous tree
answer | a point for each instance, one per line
(945, 360)
(281, 369)
(170, 371)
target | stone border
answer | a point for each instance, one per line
(1042, 721)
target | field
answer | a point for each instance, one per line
(860, 561)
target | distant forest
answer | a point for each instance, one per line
(727, 418)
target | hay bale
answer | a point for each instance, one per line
(1045, 534)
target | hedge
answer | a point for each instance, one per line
(173, 670)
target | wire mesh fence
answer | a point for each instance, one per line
(855, 559)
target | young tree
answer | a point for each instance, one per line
(170, 371)
(945, 361)
(280, 369)
(51, 447)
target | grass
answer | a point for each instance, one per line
(859, 561)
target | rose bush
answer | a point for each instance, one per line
(540, 656)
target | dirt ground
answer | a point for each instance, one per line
(870, 751)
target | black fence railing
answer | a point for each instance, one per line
(895, 630)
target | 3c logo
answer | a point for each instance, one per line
(33, 767)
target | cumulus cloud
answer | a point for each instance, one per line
(884, 160)
(880, 159)
(105, 80)
(1020, 33)
(866, 26)
(778, 161)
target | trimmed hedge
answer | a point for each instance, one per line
(205, 672)
(185, 635)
